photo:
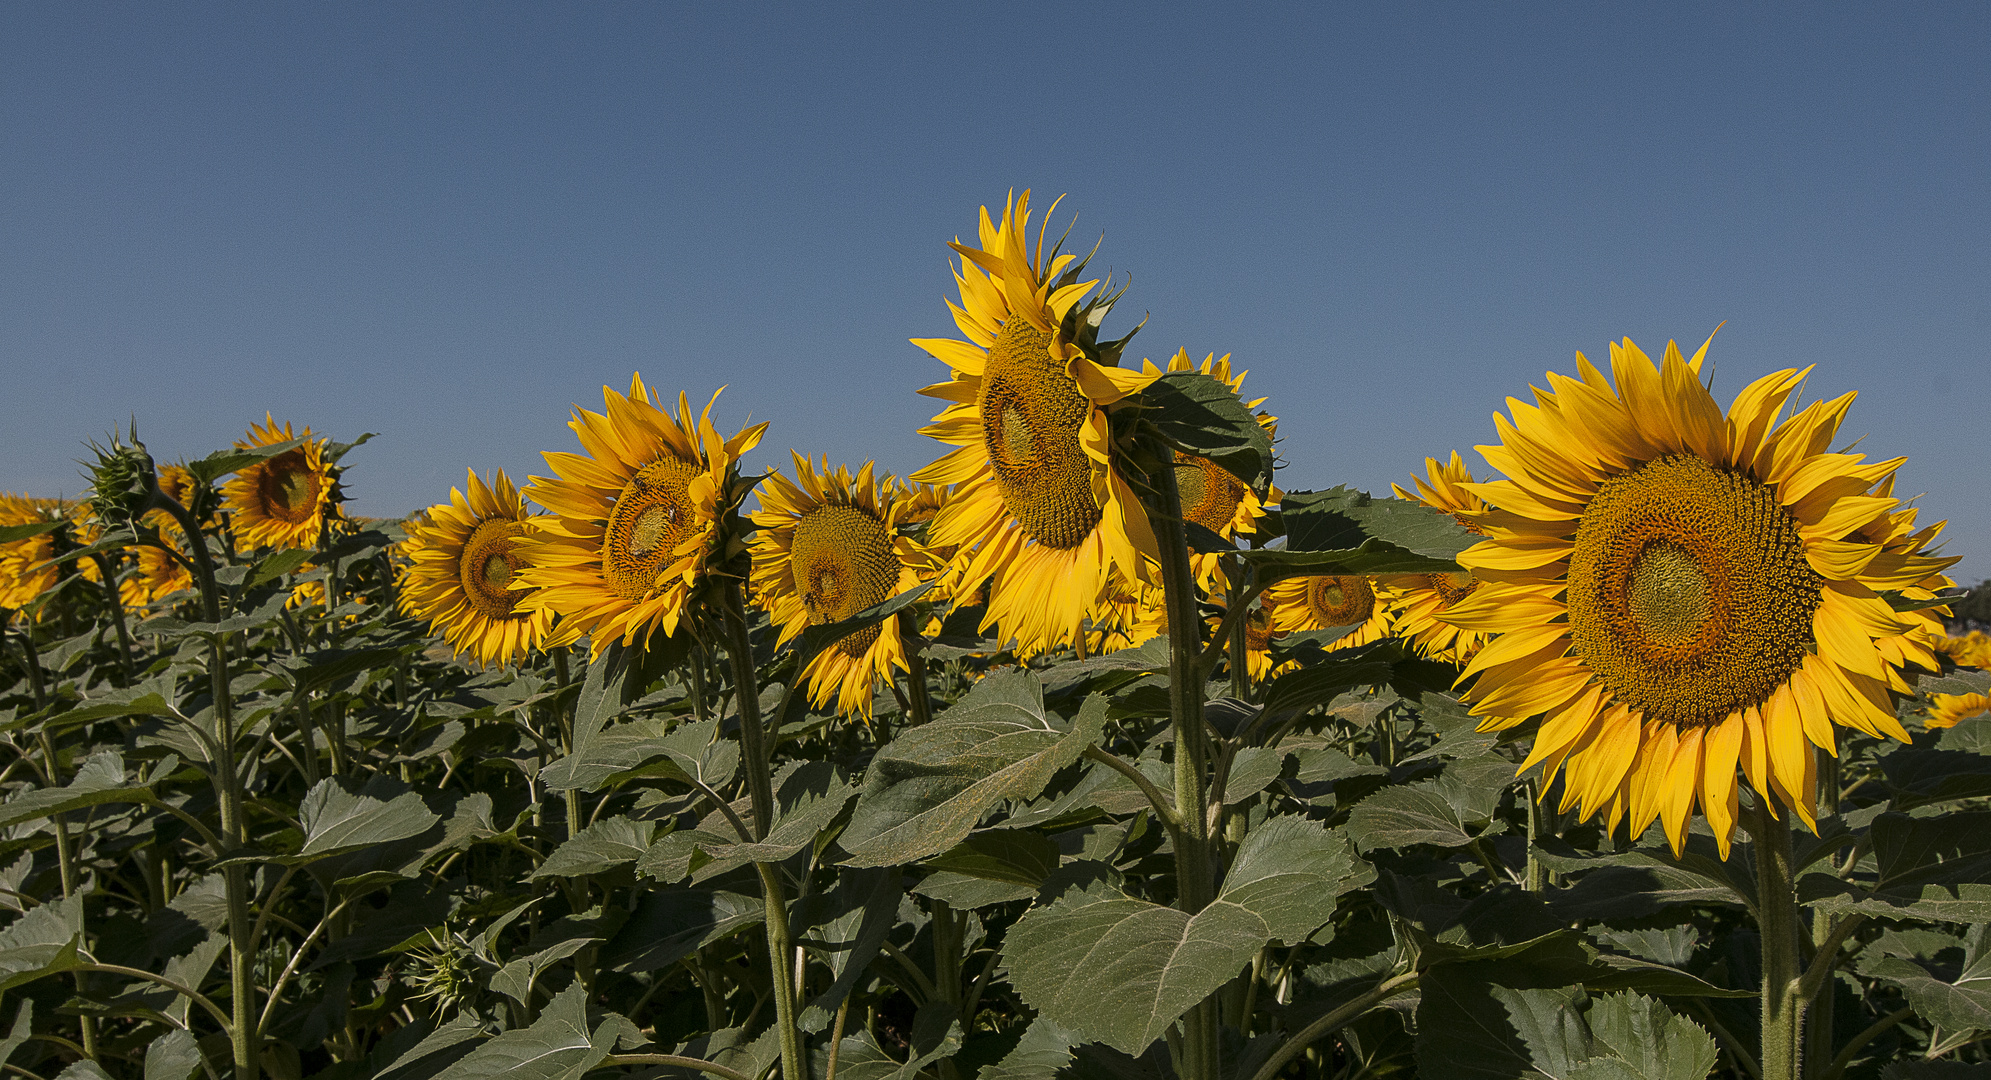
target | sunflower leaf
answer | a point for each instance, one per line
(1901, 602)
(558, 1044)
(1470, 1026)
(277, 565)
(1120, 969)
(222, 462)
(928, 788)
(1344, 531)
(1204, 416)
(12, 533)
(817, 638)
(1955, 995)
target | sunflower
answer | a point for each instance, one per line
(283, 501)
(25, 570)
(1680, 592)
(635, 519)
(159, 574)
(1970, 650)
(1322, 602)
(1258, 638)
(829, 546)
(462, 556)
(1948, 710)
(1415, 600)
(1133, 616)
(1040, 509)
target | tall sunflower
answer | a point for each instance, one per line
(1040, 509)
(283, 501)
(1415, 601)
(1210, 495)
(635, 519)
(462, 558)
(828, 546)
(1323, 602)
(1680, 592)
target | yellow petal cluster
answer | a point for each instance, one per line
(462, 558)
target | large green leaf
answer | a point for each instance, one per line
(1041, 1054)
(172, 1056)
(927, 789)
(42, 942)
(558, 1046)
(339, 815)
(100, 780)
(21, 1032)
(1342, 531)
(1120, 969)
(817, 638)
(1919, 777)
(1203, 415)
(1936, 868)
(222, 462)
(1953, 994)
(671, 924)
(601, 846)
(1475, 1030)
(856, 917)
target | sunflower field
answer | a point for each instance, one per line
(1650, 748)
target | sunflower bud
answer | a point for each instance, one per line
(123, 483)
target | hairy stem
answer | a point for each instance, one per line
(1334, 1021)
(1782, 1055)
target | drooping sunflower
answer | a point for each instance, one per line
(1258, 638)
(1323, 602)
(1680, 592)
(635, 519)
(1040, 509)
(283, 501)
(1129, 618)
(462, 558)
(1416, 600)
(1949, 710)
(828, 546)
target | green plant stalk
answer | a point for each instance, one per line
(1827, 932)
(1195, 882)
(916, 693)
(244, 1038)
(1782, 1054)
(565, 720)
(65, 858)
(760, 789)
(1235, 644)
(116, 603)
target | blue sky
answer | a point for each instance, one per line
(447, 223)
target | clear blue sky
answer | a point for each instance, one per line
(446, 223)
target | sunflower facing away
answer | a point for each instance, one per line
(282, 501)
(829, 546)
(462, 559)
(635, 519)
(1949, 710)
(1416, 600)
(1040, 510)
(1680, 593)
(1300, 604)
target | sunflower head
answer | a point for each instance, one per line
(123, 480)
(828, 546)
(1415, 601)
(1970, 650)
(462, 559)
(638, 519)
(1041, 511)
(1683, 592)
(285, 500)
(1327, 601)
(1949, 710)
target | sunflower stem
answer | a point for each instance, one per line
(1782, 1055)
(1234, 641)
(1828, 933)
(753, 752)
(1195, 881)
(110, 580)
(922, 704)
(245, 1040)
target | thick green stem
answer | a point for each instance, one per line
(564, 719)
(1195, 876)
(916, 694)
(760, 789)
(1828, 932)
(110, 580)
(1782, 1056)
(1235, 645)
(244, 1038)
